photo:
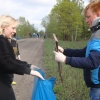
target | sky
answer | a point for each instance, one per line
(32, 10)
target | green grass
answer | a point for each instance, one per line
(73, 86)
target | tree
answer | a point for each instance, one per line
(25, 28)
(65, 19)
(41, 32)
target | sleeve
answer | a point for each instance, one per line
(90, 62)
(10, 65)
(75, 52)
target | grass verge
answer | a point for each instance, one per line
(73, 86)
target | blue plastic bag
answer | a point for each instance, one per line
(43, 89)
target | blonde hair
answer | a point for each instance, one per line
(5, 21)
(94, 6)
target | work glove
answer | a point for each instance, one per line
(33, 67)
(60, 49)
(18, 57)
(59, 57)
(36, 73)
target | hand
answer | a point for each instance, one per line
(18, 57)
(33, 67)
(59, 57)
(36, 73)
(60, 49)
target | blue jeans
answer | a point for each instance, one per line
(94, 94)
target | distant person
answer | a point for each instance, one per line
(15, 47)
(87, 58)
(14, 44)
(9, 65)
(38, 35)
(44, 36)
(30, 35)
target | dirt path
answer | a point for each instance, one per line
(31, 50)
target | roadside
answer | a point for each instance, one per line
(31, 50)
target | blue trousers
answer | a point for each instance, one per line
(94, 94)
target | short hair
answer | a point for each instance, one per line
(5, 21)
(94, 6)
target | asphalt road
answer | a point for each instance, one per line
(31, 50)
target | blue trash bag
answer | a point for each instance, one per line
(43, 89)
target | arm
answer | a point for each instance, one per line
(8, 62)
(90, 62)
(75, 52)
(10, 65)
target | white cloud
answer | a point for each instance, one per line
(86, 2)
(32, 10)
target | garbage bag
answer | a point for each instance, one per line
(43, 89)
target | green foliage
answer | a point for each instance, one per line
(24, 28)
(65, 20)
(73, 86)
(41, 32)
